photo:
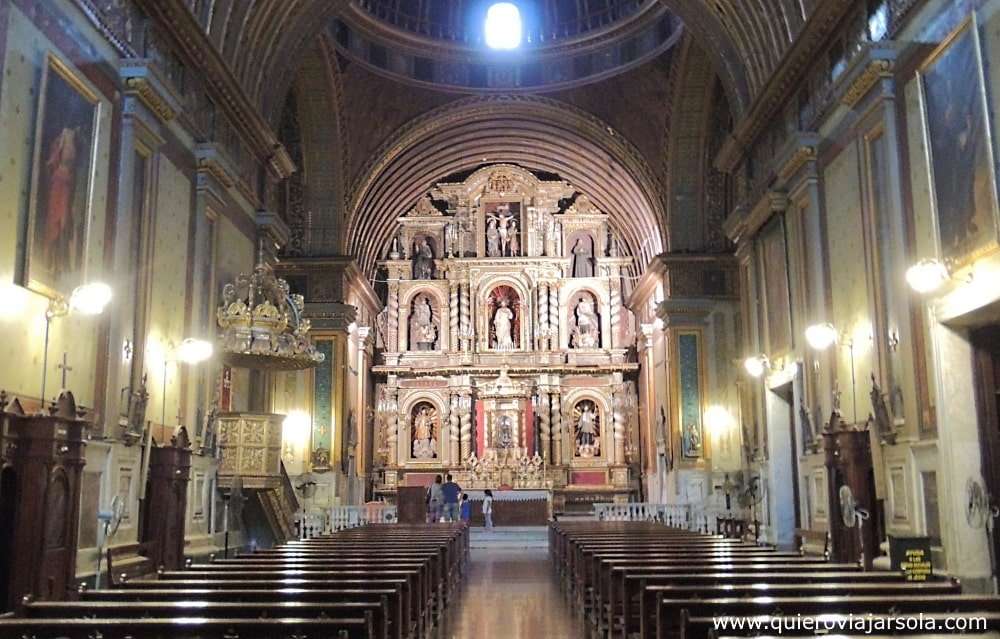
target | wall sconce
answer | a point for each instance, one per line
(295, 432)
(821, 336)
(718, 419)
(927, 276)
(86, 299)
(757, 365)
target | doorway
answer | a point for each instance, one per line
(986, 362)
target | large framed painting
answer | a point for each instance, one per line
(59, 206)
(960, 148)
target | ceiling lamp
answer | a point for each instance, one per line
(262, 324)
(821, 336)
(927, 276)
(503, 26)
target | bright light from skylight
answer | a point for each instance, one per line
(503, 26)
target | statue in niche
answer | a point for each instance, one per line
(503, 322)
(583, 257)
(423, 332)
(692, 440)
(587, 331)
(505, 432)
(492, 239)
(423, 260)
(587, 427)
(424, 429)
(514, 244)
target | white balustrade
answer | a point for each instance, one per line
(342, 517)
(678, 515)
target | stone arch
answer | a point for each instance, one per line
(535, 133)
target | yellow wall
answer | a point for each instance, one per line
(21, 311)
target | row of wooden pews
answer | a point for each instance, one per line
(375, 582)
(645, 579)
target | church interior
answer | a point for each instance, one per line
(498, 318)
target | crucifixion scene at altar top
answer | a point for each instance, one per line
(448, 319)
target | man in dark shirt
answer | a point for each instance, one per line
(450, 492)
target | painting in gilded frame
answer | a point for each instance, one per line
(959, 148)
(689, 382)
(59, 207)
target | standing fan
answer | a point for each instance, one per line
(748, 498)
(979, 513)
(853, 516)
(977, 504)
(848, 507)
(112, 519)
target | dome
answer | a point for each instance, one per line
(442, 43)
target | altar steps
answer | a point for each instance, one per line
(510, 537)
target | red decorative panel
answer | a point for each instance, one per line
(420, 479)
(588, 478)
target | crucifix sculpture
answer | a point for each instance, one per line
(65, 369)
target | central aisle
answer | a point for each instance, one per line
(512, 594)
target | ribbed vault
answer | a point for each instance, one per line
(262, 39)
(537, 134)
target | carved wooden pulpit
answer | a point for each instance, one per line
(851, 487)
(43, 459)
(166, 507)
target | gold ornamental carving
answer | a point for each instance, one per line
(802, 156)
(865, 81)
(150, 97)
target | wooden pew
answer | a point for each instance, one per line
(188, 628)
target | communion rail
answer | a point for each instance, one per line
(341, 517)
(689, 516)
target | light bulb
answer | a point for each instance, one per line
(821, 336)
(296, 427)
(90, 299)
(927, 276)
(718, 419)
(755, 365)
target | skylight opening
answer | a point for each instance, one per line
(503, 26)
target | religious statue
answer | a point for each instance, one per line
(505, 432)
(503, 322)
(423, 260)
(514, 244)
(424, 442)
(583, 257)
(492, 239)
(587, 425)
(661, 432)
(587, 332)
(692, 439)
(423, 333)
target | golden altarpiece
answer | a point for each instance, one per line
(505, 343)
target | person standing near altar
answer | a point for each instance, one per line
(434, 501)
(450, 492)
(488, 508)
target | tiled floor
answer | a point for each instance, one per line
(511, 594)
